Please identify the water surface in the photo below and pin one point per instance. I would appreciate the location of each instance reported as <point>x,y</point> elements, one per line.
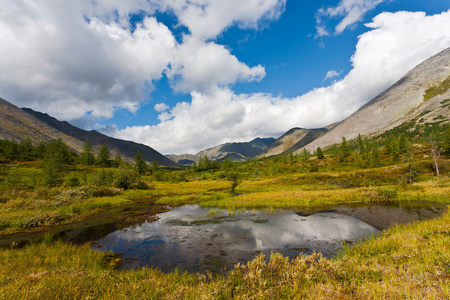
<point>198,239</point>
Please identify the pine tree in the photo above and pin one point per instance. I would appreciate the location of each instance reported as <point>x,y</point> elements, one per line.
<point>87,156</point>
<point>118,160</point>
<point>375,158</point>
<point>360,143</point>
<point>155,166</point>
<point>56,154</point>
<point>344,150</point>
<point>140,164</point>
<point>104,155</point>
<point>319,153</point>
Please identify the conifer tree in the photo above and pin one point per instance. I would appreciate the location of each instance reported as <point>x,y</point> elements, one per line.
<point>56,154</point>
<point>87,156</point>
<point>319,153</point>
<point>118,160</point>
<point>344,150</point>
<point>103,158</point>
<point>140,164</point>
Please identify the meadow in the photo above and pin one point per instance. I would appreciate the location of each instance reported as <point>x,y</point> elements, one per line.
<point>409,261</point>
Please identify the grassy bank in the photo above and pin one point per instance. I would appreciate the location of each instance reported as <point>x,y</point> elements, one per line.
<point>405,262</point>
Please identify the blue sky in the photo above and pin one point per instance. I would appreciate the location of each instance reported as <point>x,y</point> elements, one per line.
<point>181,76</point>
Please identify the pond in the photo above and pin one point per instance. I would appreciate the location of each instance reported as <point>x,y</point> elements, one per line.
<point>210,239</point>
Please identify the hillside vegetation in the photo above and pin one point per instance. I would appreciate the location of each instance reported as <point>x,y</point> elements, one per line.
<point>47,189</point>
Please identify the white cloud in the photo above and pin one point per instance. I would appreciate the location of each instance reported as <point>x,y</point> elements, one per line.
<point>160,107</point>
<point>208,18</point>
<point>348,12</point>
<point>396,43</point>
<point>331,74</point>
<point>201,66</point>
<point>62,64</point>
<point>70,58</point>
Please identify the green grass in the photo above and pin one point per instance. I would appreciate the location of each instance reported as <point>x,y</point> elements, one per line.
<point>437,89</point>
<point>405,262</point>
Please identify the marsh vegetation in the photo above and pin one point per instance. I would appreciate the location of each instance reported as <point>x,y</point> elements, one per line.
<point>47,191</point>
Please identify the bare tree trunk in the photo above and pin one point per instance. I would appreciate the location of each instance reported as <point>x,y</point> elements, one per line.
<point>435,161</point>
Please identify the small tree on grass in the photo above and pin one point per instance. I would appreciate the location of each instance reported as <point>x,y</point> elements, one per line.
<point>140,164</point>
<point>87,156</point>
<point>319,153</point>
<point>344,150</point>
<point>104,156</point>
<point>56,154</point>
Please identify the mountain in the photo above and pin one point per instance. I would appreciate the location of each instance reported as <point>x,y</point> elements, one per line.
<point>294,139</point>
<point>422,95</point>
<point>17,124</point>
<point>20,124</point>
<point>233,151</point>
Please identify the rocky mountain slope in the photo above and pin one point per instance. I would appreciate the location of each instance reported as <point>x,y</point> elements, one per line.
<point>294,139</point>
<point>422,95</point>
<point>233,151</point>
<point>20,124</point>
<point>17,124</point>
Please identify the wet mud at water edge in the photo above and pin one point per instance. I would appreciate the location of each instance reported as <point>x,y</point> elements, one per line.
<point>208,239</point>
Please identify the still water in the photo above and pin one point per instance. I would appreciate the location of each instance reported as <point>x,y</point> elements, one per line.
<point>198,239</point>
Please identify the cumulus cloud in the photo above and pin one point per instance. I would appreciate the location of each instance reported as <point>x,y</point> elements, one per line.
<point>66,65</point>
<point>208,18</point>
<point>72,58</point>
<point>201,66</point>
<point>160,107</point>
<point>348,12</point>
<point>396,43</point>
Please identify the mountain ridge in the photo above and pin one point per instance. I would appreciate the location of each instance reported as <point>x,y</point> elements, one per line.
<point>237,151</point>
<point>21,124</point>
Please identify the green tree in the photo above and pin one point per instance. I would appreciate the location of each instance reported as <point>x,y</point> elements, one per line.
<point>11,150</point>
<point>404,145</point>
<point>360,141</point>
<point>140,164</point>
<point>394,149</point>
<point>87,156</point>
<point>118,160</point>
<point>56,154</point>
<point>446,141</point>
<point>12,181</point>
<point>155,166</point>
<point>26,150</point>
<point>375,157</point>
<point>104,156</point>
<point>319,153</point>
<point>344,150</point>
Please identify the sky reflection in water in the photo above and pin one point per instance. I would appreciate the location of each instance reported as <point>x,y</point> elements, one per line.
<point>196,238</point>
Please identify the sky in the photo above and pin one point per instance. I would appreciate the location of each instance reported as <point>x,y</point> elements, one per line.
<point>181,76</point>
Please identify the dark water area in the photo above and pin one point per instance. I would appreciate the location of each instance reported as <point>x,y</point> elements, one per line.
<point>209,239</point>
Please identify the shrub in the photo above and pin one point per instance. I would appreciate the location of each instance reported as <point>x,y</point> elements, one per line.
<point>125,178</point>
<point>104,192</point>
<point>73,181</point>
